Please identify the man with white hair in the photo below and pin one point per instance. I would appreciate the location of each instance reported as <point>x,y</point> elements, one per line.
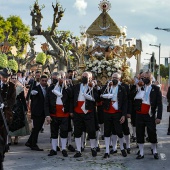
<point>57,104</point>
<point>148,101</point>
<point>115,109</point>
<point>84,96</point>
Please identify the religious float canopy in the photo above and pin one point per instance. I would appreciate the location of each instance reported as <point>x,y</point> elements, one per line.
<point>107,46</point>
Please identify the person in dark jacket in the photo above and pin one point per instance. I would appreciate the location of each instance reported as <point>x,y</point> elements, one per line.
<point>57,105</point>
<point>2,143</point>
<point>168,99</point>
<point>147,102</point>
<point>115,109</point>
<point>7,98</point>
<point>84,96</point>
<point>38,94</point>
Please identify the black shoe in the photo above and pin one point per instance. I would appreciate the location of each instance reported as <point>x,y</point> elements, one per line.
<point>156,156</point>
<point>82,149</point>
<point>78,155</point>
<point>42,130</point>
<point>36,148</point>
<point>138,153</point>
<point>110,146</point>
<point>168,133</point>
<point>106,155</point>
<point>124,154</point>
<point>98,148</point>
<point>58,148</point>
<point>94,152</point>
<point>9,144</point>
<point>64,152</point>
<point>71,148</point>
<point>152,151</point>
<point>113,152</point>
<point>52,153</point>
<point>28,144</point>
<point>124,145</point>
<point>128,150</point>
<point>140,157</point>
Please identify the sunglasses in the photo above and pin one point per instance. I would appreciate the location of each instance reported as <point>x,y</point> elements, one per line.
<point>14,78</point>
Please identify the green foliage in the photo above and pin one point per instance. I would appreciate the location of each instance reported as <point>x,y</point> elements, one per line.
<point>18,32</point>
<point>13,65</point>
<point>3,61</point>
<point>41,58</point>
<point>164,71</point>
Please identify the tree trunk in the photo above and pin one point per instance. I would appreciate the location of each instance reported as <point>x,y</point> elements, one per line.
<point>62,65</point>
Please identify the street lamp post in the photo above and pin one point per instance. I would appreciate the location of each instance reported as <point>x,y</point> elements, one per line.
<point>164,29</point>
<point>150,62</point>
<point>159,46</point>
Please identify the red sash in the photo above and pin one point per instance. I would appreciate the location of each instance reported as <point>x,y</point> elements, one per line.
<point>144,109</point>
<point>111,109</point>
<point>78,109</point>
<point>99,103</point>
<point>59,112</point>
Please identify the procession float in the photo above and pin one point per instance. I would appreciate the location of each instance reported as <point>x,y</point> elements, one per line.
<point>107,48</point>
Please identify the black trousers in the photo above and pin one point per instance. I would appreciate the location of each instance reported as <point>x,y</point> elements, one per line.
<point>37,123</point>
<point>2,149</point>
<point>96,119</point>
<point>69,124</point>
<point>59,123</point>
<point>112,121</point>
<point>3,141</point>
<point>142,121</point>
<point>84,122</point>
<point>100,114</point>
<point>125,128</point>
<point>133,118</point>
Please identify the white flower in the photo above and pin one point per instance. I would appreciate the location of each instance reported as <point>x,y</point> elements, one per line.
<point>116,65</point>
<point>102,66</point>
<point>99,71</point>
<point>108,68</point>
<point>94,69</point>
<point>113,69</point>
<point>90,65</point>
<point>87,62</point>
<point>109,74</point>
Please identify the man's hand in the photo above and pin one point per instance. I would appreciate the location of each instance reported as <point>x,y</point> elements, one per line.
<point>158,121</point>
<point>122,119</point>
<point>48,119</point>
<point>128,115</point>
<point>71,114</point>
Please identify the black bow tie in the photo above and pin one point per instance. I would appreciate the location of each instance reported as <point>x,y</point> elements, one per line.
<point>142,89</point>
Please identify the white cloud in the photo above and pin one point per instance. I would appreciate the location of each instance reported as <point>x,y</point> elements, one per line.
<point>133,10</point>
<point>148,38</point>
<point>81,6</point>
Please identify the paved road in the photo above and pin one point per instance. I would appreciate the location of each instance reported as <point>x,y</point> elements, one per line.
<point>22,158</point>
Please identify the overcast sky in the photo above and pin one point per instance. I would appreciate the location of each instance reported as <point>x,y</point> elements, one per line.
<point>140,17</point>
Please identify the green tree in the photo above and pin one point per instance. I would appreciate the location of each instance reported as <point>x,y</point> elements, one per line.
<point>15,31</point>
<point>164,71</point>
